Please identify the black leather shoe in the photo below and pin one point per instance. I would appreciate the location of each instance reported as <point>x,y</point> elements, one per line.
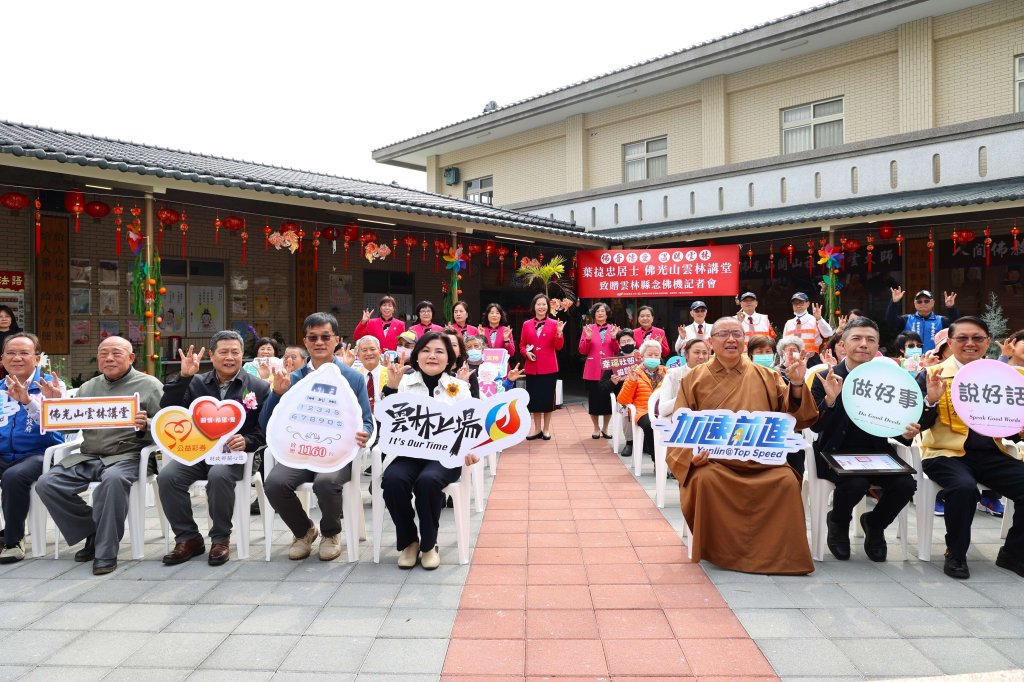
<point>1010,562</point>
<point>838,538</point>
<point>103,566</point>
<point>956,568</point>
<point>254,508</point>
<point>874,539</point>
<point>535,436</point>
<point>87,553</point>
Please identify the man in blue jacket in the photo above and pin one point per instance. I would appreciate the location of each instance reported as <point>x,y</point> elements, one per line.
<point>320,335</point>
<point>21,444</point>
<point>923,321</point>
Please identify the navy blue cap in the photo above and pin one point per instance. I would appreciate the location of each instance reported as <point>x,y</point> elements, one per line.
<point>698,304</point>
<point>749,294</point>
<point>800,296</point>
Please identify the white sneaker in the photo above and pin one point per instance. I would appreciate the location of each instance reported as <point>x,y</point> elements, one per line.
<point>10,555</point>
<point>330,548</point>
<point>301,547</point>
<point>407,559</point>
<point>431,559</point>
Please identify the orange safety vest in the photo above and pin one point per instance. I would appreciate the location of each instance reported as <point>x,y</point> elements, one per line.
<point>807,332</point>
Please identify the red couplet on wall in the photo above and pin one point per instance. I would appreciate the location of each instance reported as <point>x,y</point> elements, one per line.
<point>681,271</point>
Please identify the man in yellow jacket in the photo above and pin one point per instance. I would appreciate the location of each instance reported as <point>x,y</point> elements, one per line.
<point>958,459</point>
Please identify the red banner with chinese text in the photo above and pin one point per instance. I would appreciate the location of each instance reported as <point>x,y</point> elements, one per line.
<point>693,271</point>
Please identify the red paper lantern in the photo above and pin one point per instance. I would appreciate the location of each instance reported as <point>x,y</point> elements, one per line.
<point>474,249</point>
<point>885,230</point>
<point>852,245</point>
<point>97,209</point>
<point>408,241</point>
<point>368,236</point>
<point>168,216</point>
<point>289,226</point>
<point>74,202</point>
<point>502,251</point>
<point>350,234</point>
<point>489,247</point>
<point>14,202</point>
<point>440,246</point>
<point>965,237</point>
<point>233,223</point>
<point>330,234</point>
<point>899,244</point>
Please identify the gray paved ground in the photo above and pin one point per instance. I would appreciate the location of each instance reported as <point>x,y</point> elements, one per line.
<point>860,620</point>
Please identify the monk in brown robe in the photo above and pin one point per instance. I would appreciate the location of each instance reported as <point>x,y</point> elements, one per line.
<point>744,515</point>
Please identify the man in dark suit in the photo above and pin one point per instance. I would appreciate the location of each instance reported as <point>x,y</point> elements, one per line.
<point>226,381</point>
<point>837,433</point>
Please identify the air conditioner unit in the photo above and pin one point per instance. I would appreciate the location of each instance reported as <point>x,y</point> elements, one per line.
<point>451,176</point>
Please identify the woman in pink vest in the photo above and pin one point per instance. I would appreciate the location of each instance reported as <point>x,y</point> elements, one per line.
<point>647,330</point>
<point>426,313</point>
<point>540,339</point>
<point>597,343</point>
<point>460,315</point>
<point>495,329</point>
<point>386,328</point>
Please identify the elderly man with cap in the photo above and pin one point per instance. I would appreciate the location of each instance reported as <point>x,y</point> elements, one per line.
<point>808,326</point>
<point>923,321</point>
<point>754,323</point>
<point>698,329</point>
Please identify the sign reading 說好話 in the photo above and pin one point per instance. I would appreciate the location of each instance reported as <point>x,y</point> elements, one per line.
<point>680,271</point>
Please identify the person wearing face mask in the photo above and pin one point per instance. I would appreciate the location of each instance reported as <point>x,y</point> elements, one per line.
<point>908,351</point>
<point>958,458</point>
<point>647,330</point>
<point>385,328</point>
<point>698,329</point>
<point>612,384</point>
<point>598,342</point>
<point>496,331</point>
<point>475,357</point>
<point>923,321</point>
<point>638,387</point>
<point>761,351</point>
<point>809,326</point>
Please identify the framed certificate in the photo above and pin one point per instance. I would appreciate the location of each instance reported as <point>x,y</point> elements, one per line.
<point>848,464</point>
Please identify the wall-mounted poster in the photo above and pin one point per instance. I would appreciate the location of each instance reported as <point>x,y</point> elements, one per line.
<point>239,281</point>
<point>108,302</point>
<point>81,270</point>
<point>15,300</point>
<point>81,332</point>
<point>205,309</point>
<point>174,313</point>
<point>134,333</point>
<point>341,293</point>
<point>109,328</point>
<point>81,301</point>
<point>239,304</point>
<point>108,272</point>
<point>261,306</point>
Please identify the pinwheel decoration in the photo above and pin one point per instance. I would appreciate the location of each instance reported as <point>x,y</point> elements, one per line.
<point>456,263</point>
<point>831,258</point>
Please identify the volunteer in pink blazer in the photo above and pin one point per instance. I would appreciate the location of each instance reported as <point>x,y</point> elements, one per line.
<point>460,318</point>
<point>540,340</point>
<point>495,329</point>
<point>598,342</point>
<point>647,330</point>
<point>386,328</point>
<point>426,313</point>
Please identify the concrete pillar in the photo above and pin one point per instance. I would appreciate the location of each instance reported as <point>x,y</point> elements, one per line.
<point>712,110</point>
<point>916,75</point>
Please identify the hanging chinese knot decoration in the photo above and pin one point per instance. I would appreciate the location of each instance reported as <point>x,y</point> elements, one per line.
<point>810,257</point>
<point>440,246</point>
<point>316,250</point>
<point>135,237</point>
<point>489,247</point>
<point>474,250</point>
<point>750,258</point>
<point>931,249</point>
<point>988,245</point>
<point>899,245</point>
<point>39,226</point>
<point>118,212</point>
<point>349,234</point>
<point>502,251</point>
<point>771,262</point>
<point>842,242</point>
<point>789,250</point>
<point>166,217</point>
<point>423,257</point>
<point>871,249</point>
<point>184,235</point>
<point>956,239</point>
<point>245,242</point>
<point>74,202</point>
<point>216,230</point>
<point>409,242</point>
<point>1013,232</point>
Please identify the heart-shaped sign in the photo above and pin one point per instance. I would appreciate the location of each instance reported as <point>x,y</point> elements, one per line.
<point>190,435</point>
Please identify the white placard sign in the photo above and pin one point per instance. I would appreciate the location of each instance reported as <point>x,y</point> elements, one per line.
<point>414,425</point>
<point>8,407</point>
<point>763,437</point>
<point>881,398</point>
<point>315,423</point>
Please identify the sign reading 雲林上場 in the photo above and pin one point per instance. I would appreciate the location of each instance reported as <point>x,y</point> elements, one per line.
<point>680,271</point>
<point>763,437</point>
<point>989,396</point>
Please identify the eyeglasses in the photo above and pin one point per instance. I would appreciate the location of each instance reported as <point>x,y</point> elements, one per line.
<point>912,345</point>
<point>735,334</point>
<point>965,339</point>
<point>923,300</point>
<point>325,338</point>
<point>20,354</point>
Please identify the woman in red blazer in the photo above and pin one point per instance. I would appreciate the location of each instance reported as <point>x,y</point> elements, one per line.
<point>540,339</point>
<point>460,317</point>
<point>426,314</point>
<point>386,328</point>
<point>647,330</point>
<point>598,342</point>
<point>495,329</point>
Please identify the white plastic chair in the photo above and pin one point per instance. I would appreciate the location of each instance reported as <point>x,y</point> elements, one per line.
<point>457,491</point>
<point>136,498</point>
<point>656,408</point>
<point>240,520</point>
<point>924,502</point>
<point>35,524</point>
<point>618,425</point>
<point>820,489</point>
<point>352,501</point>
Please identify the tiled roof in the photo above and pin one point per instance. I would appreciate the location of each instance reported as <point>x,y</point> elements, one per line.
<point>620,70</point>
<point>130,157</point>
<point>958,195</point>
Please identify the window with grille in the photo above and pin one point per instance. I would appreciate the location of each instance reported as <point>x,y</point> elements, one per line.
<point>645,159</point>
<point>812,126</point>
<point>480,190</point>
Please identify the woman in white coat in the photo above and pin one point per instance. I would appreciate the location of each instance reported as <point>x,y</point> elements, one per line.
<point>433,362</point>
